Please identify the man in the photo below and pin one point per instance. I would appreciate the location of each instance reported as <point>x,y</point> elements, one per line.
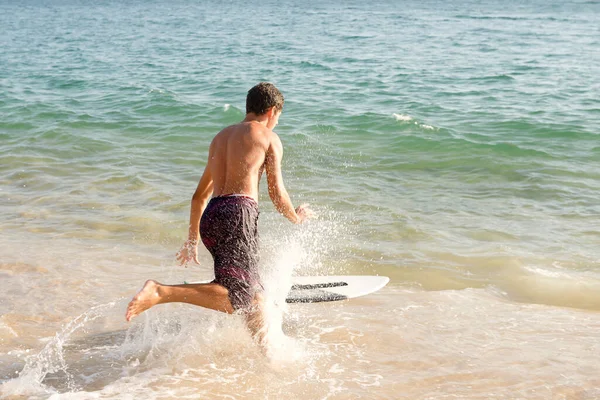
<point>238,156</point>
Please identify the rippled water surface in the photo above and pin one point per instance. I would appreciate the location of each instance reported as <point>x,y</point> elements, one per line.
<point>452,146</point>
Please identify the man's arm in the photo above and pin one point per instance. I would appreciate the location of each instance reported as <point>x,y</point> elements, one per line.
<point>189,250</point>
<point>277,191</point>
<point>199,201</point>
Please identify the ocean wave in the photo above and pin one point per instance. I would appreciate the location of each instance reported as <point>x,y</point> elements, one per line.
<point>488,17</point>
<point>316,65</point>
<point>357,37</point>
<point>401,117</point>
<point>408,119</point>
<point>557,286</point>
<point>499,77</point>
<point>230,109</point>
<point>510,18</point>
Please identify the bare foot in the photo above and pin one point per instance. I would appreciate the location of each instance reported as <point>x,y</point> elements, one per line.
<point>147,297</point>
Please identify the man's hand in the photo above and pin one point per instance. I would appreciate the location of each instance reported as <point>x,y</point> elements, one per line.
<point>303,213</point>
<point>188,252</point>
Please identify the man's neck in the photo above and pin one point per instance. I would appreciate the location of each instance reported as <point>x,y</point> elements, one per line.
<point>261,119</point>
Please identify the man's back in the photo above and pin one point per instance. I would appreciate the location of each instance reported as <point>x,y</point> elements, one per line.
<point>237,157</point>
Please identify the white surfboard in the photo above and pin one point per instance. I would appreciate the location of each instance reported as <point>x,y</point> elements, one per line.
<point>316,289</point>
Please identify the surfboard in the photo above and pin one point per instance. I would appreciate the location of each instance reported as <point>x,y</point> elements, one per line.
<point>317,289</point>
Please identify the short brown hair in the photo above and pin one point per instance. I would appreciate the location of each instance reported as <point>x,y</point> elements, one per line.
<point>262,97</point>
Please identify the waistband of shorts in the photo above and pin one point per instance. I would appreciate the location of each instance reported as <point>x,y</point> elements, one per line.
<point>235,196</point>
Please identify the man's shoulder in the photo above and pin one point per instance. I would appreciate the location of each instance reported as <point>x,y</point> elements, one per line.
<point>264,132</point>
<point>227,131</point>
<point>229,128</point>
<point>258,132</point>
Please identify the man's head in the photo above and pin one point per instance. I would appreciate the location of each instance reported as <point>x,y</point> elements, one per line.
<point>262,97</point>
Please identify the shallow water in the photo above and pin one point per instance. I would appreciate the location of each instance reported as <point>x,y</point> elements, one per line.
<point>453,147</point>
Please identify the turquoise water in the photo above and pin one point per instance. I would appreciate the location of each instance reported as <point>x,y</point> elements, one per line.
<point>451,146</point>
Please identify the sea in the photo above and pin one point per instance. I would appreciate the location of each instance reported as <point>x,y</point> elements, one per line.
<point>453,146</point>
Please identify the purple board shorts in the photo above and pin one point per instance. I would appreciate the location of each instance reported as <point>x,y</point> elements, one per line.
<point>229,230</point>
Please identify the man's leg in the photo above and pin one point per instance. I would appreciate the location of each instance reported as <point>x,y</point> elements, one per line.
<point>255,321</point>
<point>208,295</point>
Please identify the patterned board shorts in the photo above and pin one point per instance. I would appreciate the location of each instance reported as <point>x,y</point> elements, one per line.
<point>229,230</point>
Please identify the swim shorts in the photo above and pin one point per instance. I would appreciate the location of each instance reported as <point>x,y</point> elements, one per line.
<point>229,230</point>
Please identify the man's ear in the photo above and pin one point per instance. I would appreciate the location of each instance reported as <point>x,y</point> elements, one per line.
<point>271,112</point>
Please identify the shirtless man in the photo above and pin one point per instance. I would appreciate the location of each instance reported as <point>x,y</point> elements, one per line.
<point>227,224</point>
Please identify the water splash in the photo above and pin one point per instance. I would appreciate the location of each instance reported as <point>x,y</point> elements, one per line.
<point>51,359</point>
